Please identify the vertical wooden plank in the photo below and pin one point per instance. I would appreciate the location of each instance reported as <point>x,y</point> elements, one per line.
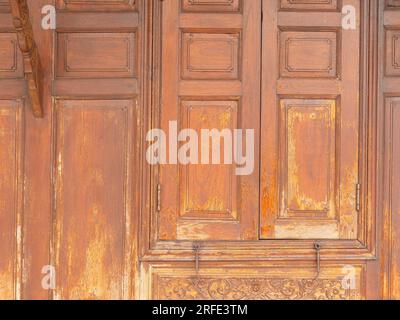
<point>392,200</point>
<point>170,77</point>
<point>37,186</point>
<point>91,200</point>
<point>10,198</point>
<point>350,125</point>
<point>269,114</point>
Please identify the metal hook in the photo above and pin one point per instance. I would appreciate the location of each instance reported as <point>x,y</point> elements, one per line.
<point>317,247</point>
<point>196,249</point>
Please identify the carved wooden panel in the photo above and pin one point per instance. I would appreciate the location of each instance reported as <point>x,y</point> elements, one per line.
<point>96,5</point>
<point>392,196</point>
<point>10,197</point>
<point>211,5</point>
<point>309,4</point>
<point>210,55</point>
<point>96,55</point>
<point>308,54</point>
<point>308,165</point>
<point>393,52</point>
<point>92,196</point>
<point>32,63</point>
<point>220,48</point>
<point>255,283</point>
<point>11,65</point>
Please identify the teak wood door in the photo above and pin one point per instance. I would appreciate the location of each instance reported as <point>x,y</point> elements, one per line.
<point>310,122</point>
<point>78,196</point>
<point>309,75</point>
<point>211,64</point>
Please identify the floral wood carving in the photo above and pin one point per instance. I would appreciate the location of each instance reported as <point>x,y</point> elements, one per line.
<point>252,289</point>
<point>26,42</point>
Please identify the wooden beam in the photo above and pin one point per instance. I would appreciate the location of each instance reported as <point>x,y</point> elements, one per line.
<point>26,42</point>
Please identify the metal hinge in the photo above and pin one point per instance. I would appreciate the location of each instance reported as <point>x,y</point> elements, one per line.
<point>358,197</point>
<point>159,197</point>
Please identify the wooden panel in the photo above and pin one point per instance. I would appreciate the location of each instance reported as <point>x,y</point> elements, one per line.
<point>101,55</point>
<point>393,52</point>
<point>277,282</point>
<point>95,87</point>
<point>210,56</point>
<point>96,5</point>
<point>309,4</point>
<point>208,208</point>
<point>393,3</point>
<point>392,200</point>
<point>315,195</point>
<point>211,5</point>
<point>308,54</point>
<point>308,132</point>
<point>225,51</point>
<point>4,6</point>
<point>92,215</point>
<point>97,21</point>
<point>308,167</point>
<point>10,196</point>
<point>218,200</point>
<point>10,57</point>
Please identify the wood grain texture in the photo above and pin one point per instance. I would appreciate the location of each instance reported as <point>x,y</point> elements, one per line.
<point>390,103</point>
<point>11,140</point>
<point>89,204</point>
<point>97,55</point>
<point>96,5</point>
<point>211,6</point>
<point>313,5</point>
<point>295,54</point>
<point>392,205</point>
<point>224,50</point>
<point>11,64</point>
<point>393,52</point>
<point>93,151</point>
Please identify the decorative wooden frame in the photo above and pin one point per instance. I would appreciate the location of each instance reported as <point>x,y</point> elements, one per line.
<point>27,44</point>
<point>364,248</point>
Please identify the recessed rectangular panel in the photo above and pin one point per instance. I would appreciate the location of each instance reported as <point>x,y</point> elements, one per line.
<point>96,5</point>
<point>309,4</point>
<point>92,152</point>
<point>96,55</point>
<point>308,169</point>
<point>308,54</point>
<point>10,56</point>
<point>393,52</point>
<point>211,5</point>
<point>10,135</point>
<point>310,157</point>
<point>208,191</point>
<point>210,56</point>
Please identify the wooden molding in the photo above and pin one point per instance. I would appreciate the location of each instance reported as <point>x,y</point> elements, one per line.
<point>26,42</point>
